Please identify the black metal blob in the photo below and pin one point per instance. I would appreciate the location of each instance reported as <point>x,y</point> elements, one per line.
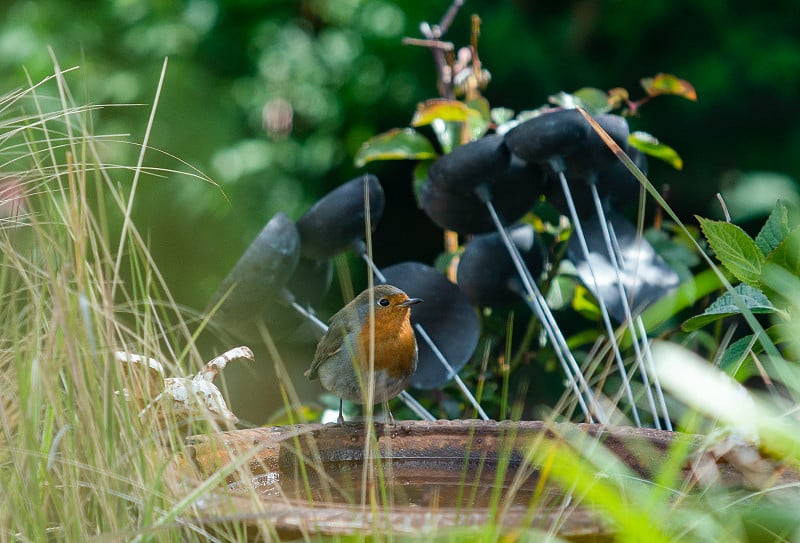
<point>558,133</point>
<point>644,274</point>
<point>513,190</point>
<point>595,156</point>
<point>616,186</point>
<point>446,316</point>
<point>311,281</point>
<point>565,134</point>
<point>307,286</point>
<point>486,272</point>
<point>470,165</point>
<point>258,277</point>
<point>337,220</point>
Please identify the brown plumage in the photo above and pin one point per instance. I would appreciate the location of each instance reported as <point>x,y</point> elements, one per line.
<point>341,361</point>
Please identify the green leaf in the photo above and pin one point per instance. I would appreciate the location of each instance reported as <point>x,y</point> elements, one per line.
<point>437,108</point>
<point>478,118</point>
<point>501,115</point>
<point>617,97</point>
<point>448,134</point>
<point>650,145</point>
<point>396,144</point>
<point>734,363</point>
<point>786,256</point>
<point>669,84</point>
<point>735,250</point>
<point>787,253</point>
<point>775,229</point>
<point>585,303</point>
<point>754,300</point>
<point>594,101</point>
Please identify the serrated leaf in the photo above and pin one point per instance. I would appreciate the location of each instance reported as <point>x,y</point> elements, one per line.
<point>650,145</point>
<point>437,108</point>
<point>396,144</point>
<point>754,300</point>
<point>775,229</point>
<point>735,250</point>
<point>668,84</point>
<point>786,256</point>
<point>787,253</point>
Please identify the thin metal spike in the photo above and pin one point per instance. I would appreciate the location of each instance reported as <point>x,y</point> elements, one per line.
<point>542,310</point>
<point>603,309</point>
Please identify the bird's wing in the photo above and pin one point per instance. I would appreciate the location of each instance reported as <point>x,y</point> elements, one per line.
<point>330,344</point>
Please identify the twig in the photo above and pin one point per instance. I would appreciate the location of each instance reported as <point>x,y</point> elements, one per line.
<point>432,44</point>
<point>442,51</point>
<point>449,16</point>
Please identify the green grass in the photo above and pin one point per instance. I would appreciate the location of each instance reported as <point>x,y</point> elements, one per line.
<point>76,284</point>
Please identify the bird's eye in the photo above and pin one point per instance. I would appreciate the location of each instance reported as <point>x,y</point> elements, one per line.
<point>384,302</point>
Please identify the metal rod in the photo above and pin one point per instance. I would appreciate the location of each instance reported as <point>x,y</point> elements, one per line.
<point>650,367</point>
<point>617,263</point>
<point>542,311</point>
<point>452,374</point>
<point>603,309</point>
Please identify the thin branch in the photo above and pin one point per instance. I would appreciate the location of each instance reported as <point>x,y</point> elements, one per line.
<point>432,44</point>
<point>449,16</point>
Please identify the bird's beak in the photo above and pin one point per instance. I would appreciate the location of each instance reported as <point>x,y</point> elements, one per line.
<point>410,301</point>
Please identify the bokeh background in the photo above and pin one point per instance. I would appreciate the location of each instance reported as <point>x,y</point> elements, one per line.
<point>272,99</point>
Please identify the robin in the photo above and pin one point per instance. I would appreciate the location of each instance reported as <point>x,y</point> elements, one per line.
<point>342,358</point>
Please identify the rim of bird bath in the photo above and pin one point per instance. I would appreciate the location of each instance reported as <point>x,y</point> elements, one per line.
<point>272,454</point>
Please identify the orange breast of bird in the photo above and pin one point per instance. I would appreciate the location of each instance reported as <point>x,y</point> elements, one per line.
<point>395,345</point>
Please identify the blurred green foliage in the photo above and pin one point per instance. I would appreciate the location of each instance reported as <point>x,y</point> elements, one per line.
<point>272,99</point>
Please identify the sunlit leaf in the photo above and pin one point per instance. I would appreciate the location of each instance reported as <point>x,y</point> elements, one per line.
<point>478,118</point>
<point>668,84</point>
<point>584,303</point>
<point>735,250</point>
<point>446,110</point>
<point>754,301</point>
<point>594,101</point>
<point>501,115</point>
<point>697,383</point>
<point>396,144</point>
<point>617,97</point>
<point>448,134</point>
<point>650,145</point>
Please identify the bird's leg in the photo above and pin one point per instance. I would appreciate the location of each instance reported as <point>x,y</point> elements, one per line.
<point>340,420</point>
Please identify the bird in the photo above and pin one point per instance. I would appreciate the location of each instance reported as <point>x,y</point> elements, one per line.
<point>341,360</point>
